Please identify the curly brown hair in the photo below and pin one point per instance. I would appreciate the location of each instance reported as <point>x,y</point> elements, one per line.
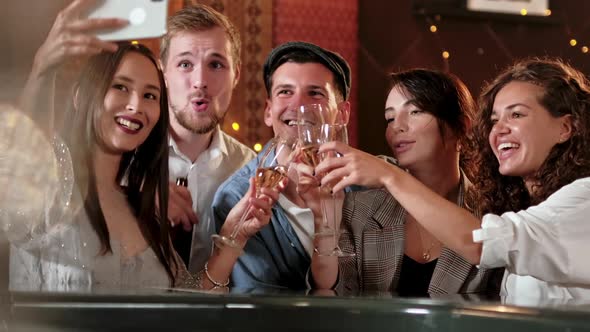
<point>566,92</point>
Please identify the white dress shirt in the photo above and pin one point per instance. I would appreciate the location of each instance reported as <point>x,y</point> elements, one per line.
<point>224,156</point>
<point>544,248</point>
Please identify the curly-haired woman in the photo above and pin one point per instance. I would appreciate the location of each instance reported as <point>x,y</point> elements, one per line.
<point>532,186</point>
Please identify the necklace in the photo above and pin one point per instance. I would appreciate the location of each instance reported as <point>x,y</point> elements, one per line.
<point>425,253</point>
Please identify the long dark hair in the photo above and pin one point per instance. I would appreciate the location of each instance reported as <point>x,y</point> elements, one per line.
<point>566,92</point>
<point>145,170</point>
<point>447,98</point>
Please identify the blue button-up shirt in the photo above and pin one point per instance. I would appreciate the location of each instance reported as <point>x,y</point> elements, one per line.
<point>274,257</point>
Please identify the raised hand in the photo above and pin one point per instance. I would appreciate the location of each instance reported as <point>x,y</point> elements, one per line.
<point>180,207</point>
<point>71,36</point>
<point>308,189</point>
<point>354,167</point>
<point>258,211</point>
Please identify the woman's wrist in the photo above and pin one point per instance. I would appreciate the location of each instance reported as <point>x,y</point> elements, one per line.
<point>226,253</point>
<point>239,240</point>
<point>388,179</point>
<point>38,69</point>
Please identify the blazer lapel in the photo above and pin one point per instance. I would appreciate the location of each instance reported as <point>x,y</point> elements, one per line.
<point>382,243</point>
<point>389,212</point>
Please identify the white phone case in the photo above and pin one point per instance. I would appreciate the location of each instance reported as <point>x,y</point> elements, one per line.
<point>147,18</point>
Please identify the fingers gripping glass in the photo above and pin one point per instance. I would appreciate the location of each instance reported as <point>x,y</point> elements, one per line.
<point>272,169</point>
<point>309,123</point>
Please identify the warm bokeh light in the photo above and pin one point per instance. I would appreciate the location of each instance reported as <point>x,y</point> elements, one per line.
<point>584,49</point>
<point>235,126</point>
<point>547,12</point>
<point>433,28</point>
<point>573,42</point>
<point>257,147</point>
<point>134,42</point>
<point>446,54</point>
<point>523,12</point>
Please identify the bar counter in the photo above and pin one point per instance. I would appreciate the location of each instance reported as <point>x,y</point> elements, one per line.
<point>161,310</point>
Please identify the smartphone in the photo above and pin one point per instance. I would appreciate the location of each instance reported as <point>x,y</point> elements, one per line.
<point>147,18</point>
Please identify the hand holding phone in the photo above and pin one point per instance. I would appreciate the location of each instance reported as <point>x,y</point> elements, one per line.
<point>147,18</point>
<point>71,37</point>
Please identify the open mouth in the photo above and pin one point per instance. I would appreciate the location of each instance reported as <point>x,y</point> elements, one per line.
<point>129,124</point>
<point>507,147</point>
<point>401,145</point>
<point>200,105</point>
<point>293,123</point>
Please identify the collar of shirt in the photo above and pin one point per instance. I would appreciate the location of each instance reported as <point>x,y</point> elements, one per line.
<point>216,149</point>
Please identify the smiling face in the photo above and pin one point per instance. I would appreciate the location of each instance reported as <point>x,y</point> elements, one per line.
<point>413,134</point>
<point>523,131</point>
<point>293,85</point>
<point>201,76</point>
<point>131,106</point>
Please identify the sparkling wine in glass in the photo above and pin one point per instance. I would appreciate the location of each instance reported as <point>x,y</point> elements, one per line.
<point>272,168</point>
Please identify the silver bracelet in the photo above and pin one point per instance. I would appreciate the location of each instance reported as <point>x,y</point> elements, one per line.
<point>215,283</point>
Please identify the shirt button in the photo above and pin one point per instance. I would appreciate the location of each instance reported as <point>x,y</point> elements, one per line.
<point>292,244</point>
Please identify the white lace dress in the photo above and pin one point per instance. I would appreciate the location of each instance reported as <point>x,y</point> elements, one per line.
<point>52,244</point>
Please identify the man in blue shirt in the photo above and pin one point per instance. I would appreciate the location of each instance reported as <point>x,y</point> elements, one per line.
<point>295,73</point>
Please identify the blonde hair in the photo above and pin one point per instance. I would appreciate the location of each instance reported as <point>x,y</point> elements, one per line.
<point>201,17</point>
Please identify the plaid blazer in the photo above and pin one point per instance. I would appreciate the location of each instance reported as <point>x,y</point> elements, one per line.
<point>373,228</point>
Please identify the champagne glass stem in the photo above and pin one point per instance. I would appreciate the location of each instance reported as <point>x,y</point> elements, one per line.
<point>240,223</point>
<point>325,221</point>
<point>334,221</point>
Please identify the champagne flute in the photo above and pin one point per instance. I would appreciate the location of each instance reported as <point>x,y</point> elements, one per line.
<point>310,119</point>
<point>330,133</point>
<point>272,168</point>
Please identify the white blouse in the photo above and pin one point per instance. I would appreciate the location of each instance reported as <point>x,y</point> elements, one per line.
<point>544,248</point>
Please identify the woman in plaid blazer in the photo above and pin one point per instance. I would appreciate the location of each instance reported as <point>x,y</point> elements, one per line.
<point>428,116</point>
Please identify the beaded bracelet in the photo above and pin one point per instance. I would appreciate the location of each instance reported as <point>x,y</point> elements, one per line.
<point>217,284</point>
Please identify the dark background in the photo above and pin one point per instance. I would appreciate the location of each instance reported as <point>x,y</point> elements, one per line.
<point>392,37</point>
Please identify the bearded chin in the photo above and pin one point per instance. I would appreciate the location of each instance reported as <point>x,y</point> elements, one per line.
<point>202,126</point>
